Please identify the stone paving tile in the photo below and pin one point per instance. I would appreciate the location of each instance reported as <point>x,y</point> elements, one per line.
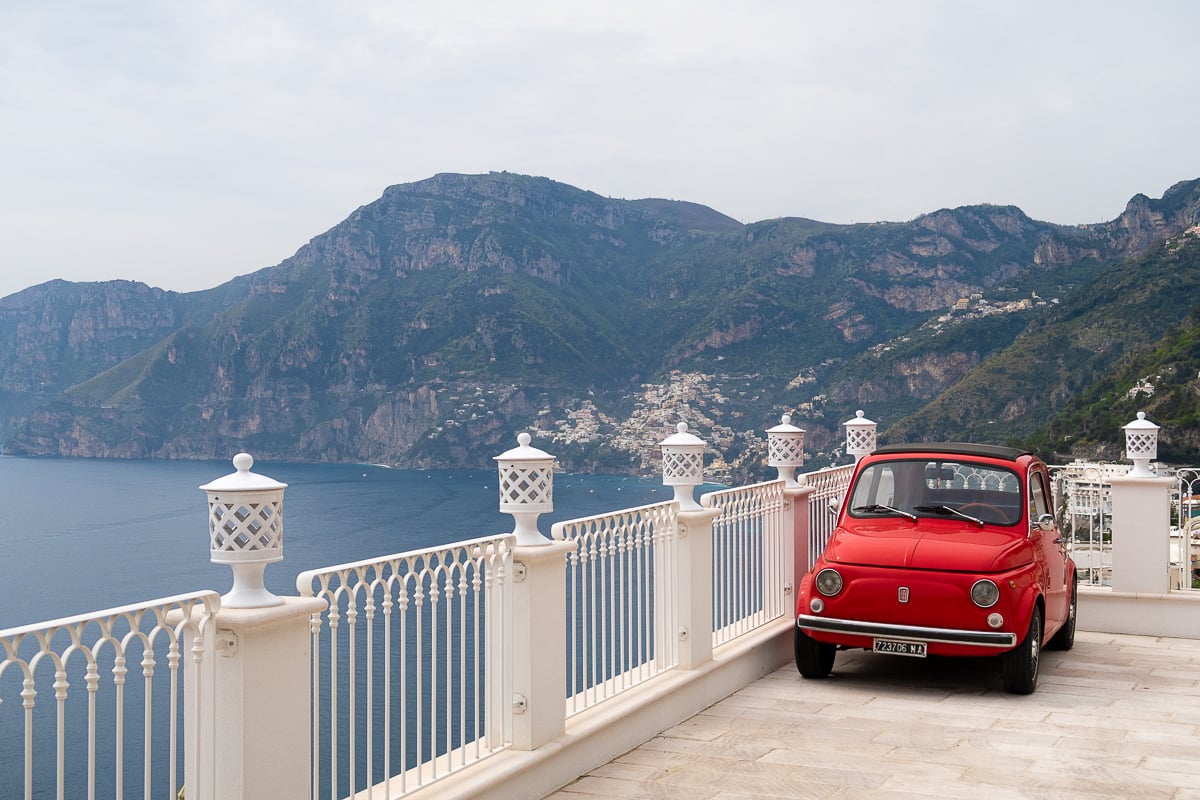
<point>1115,725</point>
<point>1175,676</point>
<point>1181,771</point>
<point>625,771</point>
<point>764,710</point>
<point>1117,717</point>
<point>591,786</point>
<point>1046,781</point>
<point>720,748</point>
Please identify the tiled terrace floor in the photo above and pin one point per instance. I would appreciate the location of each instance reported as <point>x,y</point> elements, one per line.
<point>1116,717</point>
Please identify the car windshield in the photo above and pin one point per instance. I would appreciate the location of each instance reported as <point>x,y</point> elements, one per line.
<point>912,488</point>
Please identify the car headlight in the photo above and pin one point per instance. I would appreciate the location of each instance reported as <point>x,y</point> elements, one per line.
<point>985,594</point>
<point>828,582</point>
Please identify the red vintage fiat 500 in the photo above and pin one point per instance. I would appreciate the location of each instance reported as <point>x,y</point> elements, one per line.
<point>942,549</point>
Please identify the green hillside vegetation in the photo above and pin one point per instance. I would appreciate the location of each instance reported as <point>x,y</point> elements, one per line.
<point>1107,327</point>
<point>1163,381</point>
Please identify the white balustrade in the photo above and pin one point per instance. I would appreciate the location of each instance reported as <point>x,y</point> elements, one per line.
<point>1185,537</point>
<point>411,677</point>
<point>621,595</point>
<point>417,668</point>
<point>829,485</point>
<point>136,725</point>
<point>1083,498</point>
<point>752,561</point>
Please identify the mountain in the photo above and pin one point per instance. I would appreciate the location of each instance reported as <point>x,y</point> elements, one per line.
<point>434,323</point>
<point>1072,350</point>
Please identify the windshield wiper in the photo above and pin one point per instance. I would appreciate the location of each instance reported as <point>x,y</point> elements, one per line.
<point>949,510</point>
<point>879,508</point>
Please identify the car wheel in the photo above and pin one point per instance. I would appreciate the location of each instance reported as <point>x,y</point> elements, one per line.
<point>1021,663</point>
<point>1064,639</point>
<point>813,659</point>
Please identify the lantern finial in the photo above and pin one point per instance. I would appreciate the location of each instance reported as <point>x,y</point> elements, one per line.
<point>785,449</point>
<point>526,488</point>
<point>1141,445</point>
<point>860,436</point>
<point>683,465</point>
<point>245,527</point>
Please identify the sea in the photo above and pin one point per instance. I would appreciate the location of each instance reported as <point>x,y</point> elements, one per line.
<point>81,535</point>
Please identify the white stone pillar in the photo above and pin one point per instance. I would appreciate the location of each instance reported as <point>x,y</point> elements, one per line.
<point>1141,534</point>
<point>539,643</point>
<point>252,694</point>
<point>796,521</point>
<point>261,722</point>
<point>539,598</point>
<point>1141,517</point>
<point>694,548</point>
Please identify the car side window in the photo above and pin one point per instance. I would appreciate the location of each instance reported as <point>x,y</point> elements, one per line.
<point>1038,503</point>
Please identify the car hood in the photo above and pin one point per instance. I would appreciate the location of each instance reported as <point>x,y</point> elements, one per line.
<point>930,544</point>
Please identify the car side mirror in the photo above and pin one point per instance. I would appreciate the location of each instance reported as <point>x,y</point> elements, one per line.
<point>1046,522</point>
<point>835,505</point>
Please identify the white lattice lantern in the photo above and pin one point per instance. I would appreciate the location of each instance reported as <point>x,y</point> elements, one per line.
<point>1141,445</point>
<point>526,489</point>
<point>785,449</point>
<point>860,436</point>
<point>683,465</point>
<point>245,527</point>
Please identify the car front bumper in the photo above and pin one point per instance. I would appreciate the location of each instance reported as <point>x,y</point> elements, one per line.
<point>853,627</point>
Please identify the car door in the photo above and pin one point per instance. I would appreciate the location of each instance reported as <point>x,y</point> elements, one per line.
<point>1047,537</point>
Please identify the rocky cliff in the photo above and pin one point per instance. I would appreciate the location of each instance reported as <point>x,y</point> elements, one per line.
<point>432,324</point>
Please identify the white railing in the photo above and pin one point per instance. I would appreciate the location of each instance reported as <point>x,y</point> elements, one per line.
<point>828,484</point>
<point>752,558</point>
<point>621,600</point>
<point>95,742</point>
<point>1185,537</point>
<point>416,681</point>
<point>1083,502</point>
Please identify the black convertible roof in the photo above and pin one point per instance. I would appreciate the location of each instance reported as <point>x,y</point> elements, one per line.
<point>957,448</point>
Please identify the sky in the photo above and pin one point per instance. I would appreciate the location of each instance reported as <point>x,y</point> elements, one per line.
<point>184,143</point>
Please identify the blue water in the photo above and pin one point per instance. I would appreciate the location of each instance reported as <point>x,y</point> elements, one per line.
<point>80,535</point>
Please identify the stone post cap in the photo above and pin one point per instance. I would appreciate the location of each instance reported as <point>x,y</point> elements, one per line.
<point>524,452</point>
<point>859,421</point>
<point>243,480</point>
<point>1141,424</point>
<point>681,438</point>
<point>785,426</point>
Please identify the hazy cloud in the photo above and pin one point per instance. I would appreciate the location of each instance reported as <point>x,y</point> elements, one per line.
<point>183,143</point>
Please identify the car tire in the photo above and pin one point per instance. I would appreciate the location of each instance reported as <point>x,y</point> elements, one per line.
<point>1021,663</point>
<point>1064,638</point>
<point>813,659</point>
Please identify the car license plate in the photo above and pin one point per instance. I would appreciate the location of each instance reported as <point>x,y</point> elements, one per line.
<point>900,647</point>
